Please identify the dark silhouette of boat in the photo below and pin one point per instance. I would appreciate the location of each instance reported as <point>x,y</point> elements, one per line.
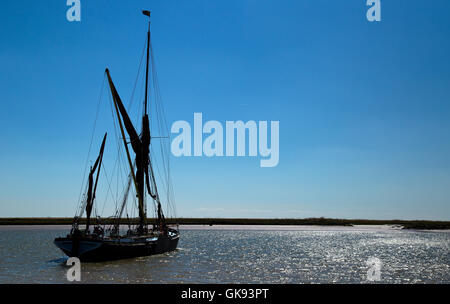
<point>94,248</point>
<point>145,238</point>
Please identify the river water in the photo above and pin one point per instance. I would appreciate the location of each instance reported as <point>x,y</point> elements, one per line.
<point>244,254</point>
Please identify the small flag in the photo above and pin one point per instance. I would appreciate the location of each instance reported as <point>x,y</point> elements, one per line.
<point>146,13</point>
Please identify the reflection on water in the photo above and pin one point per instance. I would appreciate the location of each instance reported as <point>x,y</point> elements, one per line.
<point>242,254</point>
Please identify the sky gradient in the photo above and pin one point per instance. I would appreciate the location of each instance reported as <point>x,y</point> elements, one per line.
<point>364,108</point>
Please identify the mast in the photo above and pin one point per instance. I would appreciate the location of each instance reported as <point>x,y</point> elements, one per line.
<point>147,13</point>
<point>146,137</point>
<point>145,134</point>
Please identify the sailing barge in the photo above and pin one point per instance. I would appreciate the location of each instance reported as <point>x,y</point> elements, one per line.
<point>145,238</point>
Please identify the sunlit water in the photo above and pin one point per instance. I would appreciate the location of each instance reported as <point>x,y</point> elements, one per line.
<point>242,254</point>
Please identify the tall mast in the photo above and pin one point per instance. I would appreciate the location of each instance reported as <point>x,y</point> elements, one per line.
<point>147,13</point>
<point>146,132</point>
<point>146,136</point>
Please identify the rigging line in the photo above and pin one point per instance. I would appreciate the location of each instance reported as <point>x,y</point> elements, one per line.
<point>162,183</point>
<point>168,183</point>
<point>92,136</point>
<point>160,114</point>
<point>117,182</point>
<point>166,171</point>
<point>124,166</point>
<point>109,182</point>
<point>125,194</point>
<point>157,91</point>
<point>161,177</point>
<point>119,146</point>
<point>120,159</point>
<point>134,206</point>
<point>157,170</point>
<point>116,165</point>
<point>117,161</point>
<point>82,205</point>
<point>137,76</point>
<point>162,124</point>
<point>119,173</point>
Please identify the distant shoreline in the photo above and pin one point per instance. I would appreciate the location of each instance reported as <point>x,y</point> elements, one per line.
<point>406,224</point>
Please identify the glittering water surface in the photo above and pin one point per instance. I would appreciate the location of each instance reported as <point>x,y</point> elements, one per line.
<point>242,254</point>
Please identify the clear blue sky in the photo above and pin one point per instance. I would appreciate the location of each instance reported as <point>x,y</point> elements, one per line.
<point>364,108</point>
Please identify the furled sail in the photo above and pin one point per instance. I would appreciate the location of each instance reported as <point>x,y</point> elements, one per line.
<point>134,138</point>
<point>93,187</point>
<point>145,139</point>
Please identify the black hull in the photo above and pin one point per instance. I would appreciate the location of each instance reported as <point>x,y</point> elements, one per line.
<point>97,250</point>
